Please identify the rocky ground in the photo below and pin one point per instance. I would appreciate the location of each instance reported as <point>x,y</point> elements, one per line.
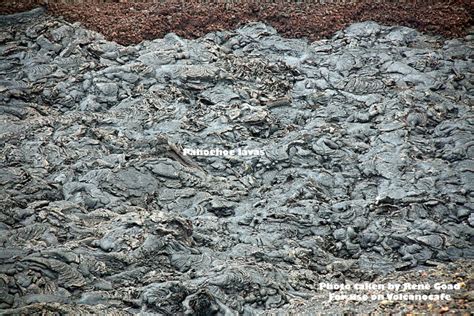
<point>130,22</point>
<point>367,173</point>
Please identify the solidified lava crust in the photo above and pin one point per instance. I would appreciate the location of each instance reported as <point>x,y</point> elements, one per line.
<point>362,169</point>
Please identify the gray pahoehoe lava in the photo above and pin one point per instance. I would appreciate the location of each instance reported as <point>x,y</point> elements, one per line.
<point>367,169</point>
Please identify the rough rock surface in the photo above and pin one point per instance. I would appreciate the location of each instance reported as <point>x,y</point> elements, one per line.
<point>462,302</point>
<point>368,170</point>
<point>131,21</point>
